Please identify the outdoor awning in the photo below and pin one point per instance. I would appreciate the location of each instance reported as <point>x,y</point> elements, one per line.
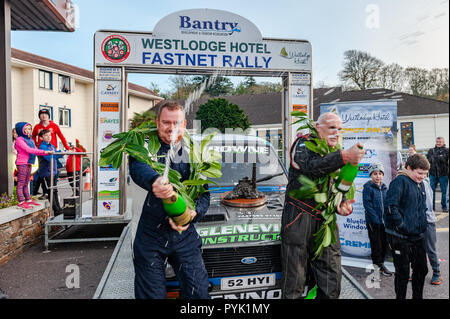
<point>42,15</point>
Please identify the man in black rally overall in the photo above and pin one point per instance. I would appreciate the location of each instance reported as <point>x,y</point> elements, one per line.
<point>158,239</point>
<point>300,221</point>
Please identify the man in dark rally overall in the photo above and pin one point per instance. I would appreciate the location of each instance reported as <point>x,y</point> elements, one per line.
<point>158,239</point>
<point>300,221</point>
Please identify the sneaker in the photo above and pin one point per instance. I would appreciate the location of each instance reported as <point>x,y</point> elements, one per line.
<point>436,279</point>
<point>24,205</point>
<point>445,210</point>
<point>384,271</point>
<point>32,202</point>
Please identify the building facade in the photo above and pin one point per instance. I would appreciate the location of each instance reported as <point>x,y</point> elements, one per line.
<point>67,92</point>
<point>420,120</point>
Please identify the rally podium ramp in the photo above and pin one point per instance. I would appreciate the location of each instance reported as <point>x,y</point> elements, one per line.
<point>117,281</point>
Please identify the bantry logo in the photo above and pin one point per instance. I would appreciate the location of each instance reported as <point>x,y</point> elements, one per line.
<point>188,25</point>
<point>115,48</point>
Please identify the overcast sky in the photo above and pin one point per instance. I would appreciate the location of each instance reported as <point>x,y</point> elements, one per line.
<point>408,32</point>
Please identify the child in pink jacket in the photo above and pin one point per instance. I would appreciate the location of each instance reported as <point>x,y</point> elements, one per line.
<point>26,156</point>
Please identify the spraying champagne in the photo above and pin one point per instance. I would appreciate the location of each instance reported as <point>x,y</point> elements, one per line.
<point>347,175</point>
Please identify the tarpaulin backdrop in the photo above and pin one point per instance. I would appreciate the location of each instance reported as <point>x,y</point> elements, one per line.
<point>374,124</point>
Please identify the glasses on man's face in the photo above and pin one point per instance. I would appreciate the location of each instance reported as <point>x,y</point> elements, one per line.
<point>335,129</point>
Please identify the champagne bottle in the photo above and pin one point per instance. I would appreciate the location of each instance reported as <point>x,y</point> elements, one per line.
<point>176,208</point>
<point>346,176</point>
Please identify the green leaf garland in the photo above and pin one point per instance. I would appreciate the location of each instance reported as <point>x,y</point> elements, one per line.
<point>319,188</point>
<point>204,161</point>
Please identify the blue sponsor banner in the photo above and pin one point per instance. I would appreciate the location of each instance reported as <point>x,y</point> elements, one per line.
<point>374,124</point>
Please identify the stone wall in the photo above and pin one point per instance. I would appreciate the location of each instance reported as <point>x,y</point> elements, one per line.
<point>17,234</point>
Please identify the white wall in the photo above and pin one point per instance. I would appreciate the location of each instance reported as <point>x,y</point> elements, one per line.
<point>138,104</point>
<point>27,96</point>
<point>426,129</point>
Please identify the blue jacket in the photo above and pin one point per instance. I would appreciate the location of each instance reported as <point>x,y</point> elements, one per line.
<point>154,221</point>
<point>374,198</point>
<point>44,161</point>
<point>405,208</point>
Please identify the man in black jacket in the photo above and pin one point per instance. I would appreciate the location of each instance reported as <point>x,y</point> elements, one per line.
<point>438,158</point>
<point>300,221</point>
<point>158,239</point>
<point>406,222</point>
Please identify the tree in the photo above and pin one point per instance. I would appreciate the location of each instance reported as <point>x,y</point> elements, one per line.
<point>360,68</point>
<point>391,77</point>
<point>219,113</point>
<point>249,86</point>
<point>249,81</point>
<point>154,87</point>
<point>220,86</point>
<point>439,80</point>
<point>182,86</point>
<point>140,118</point>
<point>417,79</point>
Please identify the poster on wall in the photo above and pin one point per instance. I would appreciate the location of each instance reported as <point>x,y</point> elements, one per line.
<point>109,99</point>
<point>374,124</point>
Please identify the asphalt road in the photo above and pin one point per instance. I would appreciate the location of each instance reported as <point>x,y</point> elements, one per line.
<point>68,271</point>
<point>74,270</point>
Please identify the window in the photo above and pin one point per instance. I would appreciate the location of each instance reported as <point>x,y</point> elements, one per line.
<point>45,80</point>
<point>64,84</point>
<point>407,133</point>
<point>50,108</point>
<point>65,117</point>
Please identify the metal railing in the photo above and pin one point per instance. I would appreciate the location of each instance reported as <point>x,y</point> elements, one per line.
<point>85,156</point>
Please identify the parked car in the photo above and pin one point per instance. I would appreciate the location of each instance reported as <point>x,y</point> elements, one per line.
<point>241,245</point>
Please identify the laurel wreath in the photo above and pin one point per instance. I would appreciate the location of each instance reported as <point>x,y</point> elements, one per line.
<point>328,198</point>
<point>204,162</point>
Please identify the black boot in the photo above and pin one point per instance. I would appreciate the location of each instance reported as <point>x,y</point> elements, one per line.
<point>384,271</point>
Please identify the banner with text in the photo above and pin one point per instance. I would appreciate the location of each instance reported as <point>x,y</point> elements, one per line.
<point>108,110</point>
<point>202,38</point>
<point>374,124</point>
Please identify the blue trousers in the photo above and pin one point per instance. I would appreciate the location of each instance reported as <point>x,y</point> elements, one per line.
<point>183,252</point>
<point>443,181</point>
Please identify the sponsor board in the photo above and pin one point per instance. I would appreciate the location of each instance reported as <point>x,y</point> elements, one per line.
<point>109,107</point>
<point>115,48</point>
<point>107,207</point>
<point>373,123</point>
<point>109,110</point>
<point>202,38</point>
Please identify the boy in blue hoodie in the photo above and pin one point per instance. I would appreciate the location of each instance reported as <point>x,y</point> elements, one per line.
<point>406,222</point>
<point>374,197</point>
<point>44,169</point>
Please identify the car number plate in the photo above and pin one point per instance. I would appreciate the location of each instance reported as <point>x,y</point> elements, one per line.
<point>244,282</point>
